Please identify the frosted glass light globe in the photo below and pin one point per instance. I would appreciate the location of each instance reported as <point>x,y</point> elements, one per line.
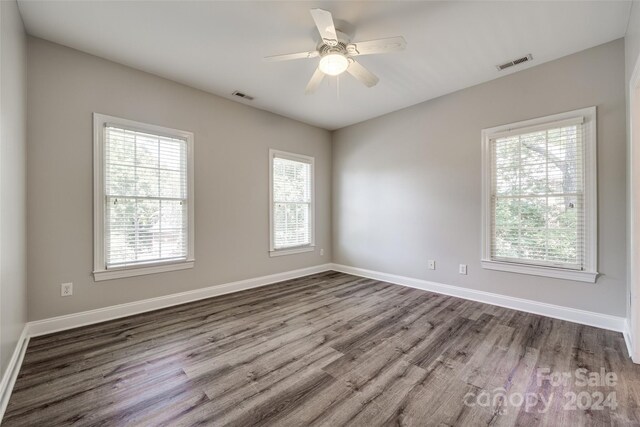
<point>334,64</point>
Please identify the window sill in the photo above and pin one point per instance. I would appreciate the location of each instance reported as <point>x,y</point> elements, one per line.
<point>120,273</point>
<point>534,270</point>
<point>298,250</point>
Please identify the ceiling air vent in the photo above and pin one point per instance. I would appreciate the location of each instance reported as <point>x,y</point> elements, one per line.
<point>527,58</point>
<point>242,95</point>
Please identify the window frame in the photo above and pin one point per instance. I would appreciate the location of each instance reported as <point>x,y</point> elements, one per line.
<point>296,249</point>
<point>100,271</point>
<point>589,272</point>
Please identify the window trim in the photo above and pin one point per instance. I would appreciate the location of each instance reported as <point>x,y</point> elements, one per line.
<point>294,249</point>
<point>590,271</point>
<point>100,271</point>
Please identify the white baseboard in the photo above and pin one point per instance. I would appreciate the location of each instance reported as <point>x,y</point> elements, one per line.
<point>75,320</point>
<point>13,368</point>
<point>60,323</point>
<point>584,317</point>
<point>627,339</point>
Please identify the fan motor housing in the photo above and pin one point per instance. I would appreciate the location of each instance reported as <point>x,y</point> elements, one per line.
<point>326,49</point>
<point>341,47</point>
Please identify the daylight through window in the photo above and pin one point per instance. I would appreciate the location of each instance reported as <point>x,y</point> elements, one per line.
<point>145,197</point>
<point>540,212</point>
<point>144,207</point>
<point>292,201</point>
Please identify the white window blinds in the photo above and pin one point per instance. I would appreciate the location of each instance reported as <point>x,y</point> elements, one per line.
<point>146,197</point>
<point>537,195</point>
<point>291,201</point>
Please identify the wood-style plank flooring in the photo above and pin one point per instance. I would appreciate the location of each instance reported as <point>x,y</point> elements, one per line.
<point>329,349</point>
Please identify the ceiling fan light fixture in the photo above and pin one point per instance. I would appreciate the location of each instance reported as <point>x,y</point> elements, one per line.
<point>334,64</point>
<point>336,52</point>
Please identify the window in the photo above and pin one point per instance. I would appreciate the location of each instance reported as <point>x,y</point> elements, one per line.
<point>143,198</point>
<point>539,196</point>
<point>291,203</point>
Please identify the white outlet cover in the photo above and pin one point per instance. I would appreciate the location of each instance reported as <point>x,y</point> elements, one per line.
<point>66,289</point>
<point>432,264</point>
<point>463,268</point>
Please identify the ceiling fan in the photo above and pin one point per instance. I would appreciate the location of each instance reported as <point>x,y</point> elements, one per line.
<point>336,52</point>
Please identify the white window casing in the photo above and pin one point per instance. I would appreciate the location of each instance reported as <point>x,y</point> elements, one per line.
<point>143,198</point>
<point>291,203</point>
<point>539,196</point>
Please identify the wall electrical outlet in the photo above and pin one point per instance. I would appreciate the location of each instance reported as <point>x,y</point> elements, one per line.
<point>463,269</point>
<point>321,252</point>
<point>66,289</point>
<point>432,264</point>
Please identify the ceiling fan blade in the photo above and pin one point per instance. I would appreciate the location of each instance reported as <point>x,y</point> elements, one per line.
<point>315,81</point>
<point>391,44</point>
<point>362,74</point>
<point>288,56</point>
<point>324,22</point>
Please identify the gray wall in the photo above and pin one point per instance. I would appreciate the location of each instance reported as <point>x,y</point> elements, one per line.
<point>632,39</point>
<point>406,186</point>
<point>13,141</point>
<point>231,174</point>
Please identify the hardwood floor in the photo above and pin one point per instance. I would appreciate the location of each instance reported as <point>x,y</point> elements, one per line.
<point>329,349</point>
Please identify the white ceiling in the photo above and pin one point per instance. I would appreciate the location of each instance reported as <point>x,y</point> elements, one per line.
<point>218,46</point>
